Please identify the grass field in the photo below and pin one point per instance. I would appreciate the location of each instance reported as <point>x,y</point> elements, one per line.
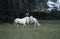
<point>49,29</point>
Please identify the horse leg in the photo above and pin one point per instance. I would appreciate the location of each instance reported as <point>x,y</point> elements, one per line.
<point>17,25</point>
<point>24,25</point>
<point>35,24</point>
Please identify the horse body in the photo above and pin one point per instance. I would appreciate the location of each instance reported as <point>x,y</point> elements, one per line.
<point>34,21</point>
<point>23,21</point>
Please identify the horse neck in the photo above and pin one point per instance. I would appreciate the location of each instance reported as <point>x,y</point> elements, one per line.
<point>31,18</point>
<point>23,18</point>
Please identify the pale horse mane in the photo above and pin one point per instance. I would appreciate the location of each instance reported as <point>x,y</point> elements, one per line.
<point>34,20</point>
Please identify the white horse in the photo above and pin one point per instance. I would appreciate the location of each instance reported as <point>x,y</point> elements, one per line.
<point>23,21</point>
<point>34,21</point>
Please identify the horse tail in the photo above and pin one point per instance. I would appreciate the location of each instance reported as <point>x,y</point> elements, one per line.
<point>15,22</point>
<point>38,24</point>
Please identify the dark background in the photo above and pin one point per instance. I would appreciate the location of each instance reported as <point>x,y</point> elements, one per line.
<point>11,9</point>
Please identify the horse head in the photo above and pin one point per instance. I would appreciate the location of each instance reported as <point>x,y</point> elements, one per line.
<point>27,20</point>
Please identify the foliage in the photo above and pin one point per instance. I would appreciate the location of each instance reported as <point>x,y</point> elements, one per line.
<point>10,9</point>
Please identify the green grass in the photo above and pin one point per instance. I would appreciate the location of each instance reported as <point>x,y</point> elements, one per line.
<point>47,30</point>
